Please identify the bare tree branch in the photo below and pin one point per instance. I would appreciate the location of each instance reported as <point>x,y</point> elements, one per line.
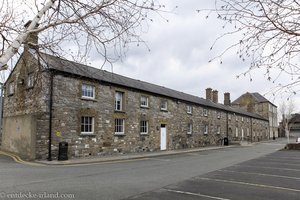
<point>109,26</point>
<point>268,32</point>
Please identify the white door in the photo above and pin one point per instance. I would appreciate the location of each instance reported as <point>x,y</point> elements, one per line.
<point>163,137</point>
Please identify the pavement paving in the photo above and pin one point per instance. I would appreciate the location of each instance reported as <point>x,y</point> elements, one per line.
<point>130,156</point>
<point>274,176</point>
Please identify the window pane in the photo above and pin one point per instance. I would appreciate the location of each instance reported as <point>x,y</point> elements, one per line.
<point>88,91</point>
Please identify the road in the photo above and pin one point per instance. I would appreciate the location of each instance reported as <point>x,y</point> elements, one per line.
<point>123,179</point>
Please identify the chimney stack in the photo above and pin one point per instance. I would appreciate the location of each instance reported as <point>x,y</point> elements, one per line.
<point>215,96</point>
<point>209,95</point>
<point>32,39</point>
<point>227,101</point>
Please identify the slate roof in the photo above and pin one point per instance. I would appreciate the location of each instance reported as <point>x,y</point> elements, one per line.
<point>66,66</point>
<point>258,98</point>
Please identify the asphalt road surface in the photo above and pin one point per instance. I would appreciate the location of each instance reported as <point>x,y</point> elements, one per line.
<point>272,177</point>
<point>198,175</point>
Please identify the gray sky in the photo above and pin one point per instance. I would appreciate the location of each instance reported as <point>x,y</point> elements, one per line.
<point>180,51</point>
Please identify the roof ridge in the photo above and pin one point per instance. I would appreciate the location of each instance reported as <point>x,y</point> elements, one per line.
<point>75,68</point>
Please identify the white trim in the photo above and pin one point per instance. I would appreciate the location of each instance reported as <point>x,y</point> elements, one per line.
<point>121,126</point>
<point>147,101</point>
<point>85,89</point>
<point>92,124</point>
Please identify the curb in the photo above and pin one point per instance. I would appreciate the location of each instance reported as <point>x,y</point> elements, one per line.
<point>125,157</point>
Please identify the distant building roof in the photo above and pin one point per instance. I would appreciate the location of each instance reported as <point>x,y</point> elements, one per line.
<point>258,98</point>
<point>62,65</point>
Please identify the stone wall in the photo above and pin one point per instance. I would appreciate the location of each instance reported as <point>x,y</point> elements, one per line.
<point>26,104</point>
<point>69,106</point>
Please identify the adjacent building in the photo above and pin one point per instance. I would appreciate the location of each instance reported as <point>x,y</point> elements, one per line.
<point>256,103</point>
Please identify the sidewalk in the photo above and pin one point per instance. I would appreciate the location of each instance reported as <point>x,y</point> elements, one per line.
<point>130,156</point>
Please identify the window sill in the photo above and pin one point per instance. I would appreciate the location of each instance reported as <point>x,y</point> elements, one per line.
<point>88,99</point>
<point>189,113</point>
<point>119,111</point>
<point>87,134</point>
<point>119,134</point>
<point>164,110</point>
<point>144,134</point>
<point>145,107</point>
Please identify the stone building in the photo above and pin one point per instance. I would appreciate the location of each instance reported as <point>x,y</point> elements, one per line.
<point>293,126</point>
<point>256,103</point>
<point>49,100</point>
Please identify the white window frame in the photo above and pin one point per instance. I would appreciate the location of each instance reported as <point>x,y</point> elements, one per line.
<point>205,112</point>
<point>119,126</point>
<point>236,132</point>
<point>119,101</point>
<point>218,129</point>
<point>11,88</point>
<point>144,127</point>
<point>30,80</point>
<point>164,105</point>
<point>229,117</point>
<point>87,126</point>
<point>88,91</point>
<point>144,101</point>
<point>189,128</point>
<point>205,129</point>
<point>236,118</point>
<point>242,119</point>
<point>189,109</point>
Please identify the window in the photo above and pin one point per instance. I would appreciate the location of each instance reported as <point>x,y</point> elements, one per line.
<point>242,119</point>
<point>144,127</point>
<point>205,129</point>
<point>236,118</point>
<point>119,101</point>
<point>144,102</point>
<point>229,116</point>
<point>189,109</point>
<point>11,88</point>
<point>236,132</point>
<point>247,131</point>
<point>30,80</point>
<point>189,128</point>
<point>88,91</point>
<point>205,112</point>
<point>119,126</point>
<point>87,125</point>
<point>164,105</point>
<point>218,129</point>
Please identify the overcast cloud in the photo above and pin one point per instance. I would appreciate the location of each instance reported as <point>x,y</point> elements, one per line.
<point>180,53</point>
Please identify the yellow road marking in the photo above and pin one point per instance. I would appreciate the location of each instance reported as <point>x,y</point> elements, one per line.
<point>251,184</point>
<point>97,163</point>
<point>17,159</point>
<point>20,161</point>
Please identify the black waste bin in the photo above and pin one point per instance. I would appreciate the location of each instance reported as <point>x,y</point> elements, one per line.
<point>226,142</point>
<point>63,151</point>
